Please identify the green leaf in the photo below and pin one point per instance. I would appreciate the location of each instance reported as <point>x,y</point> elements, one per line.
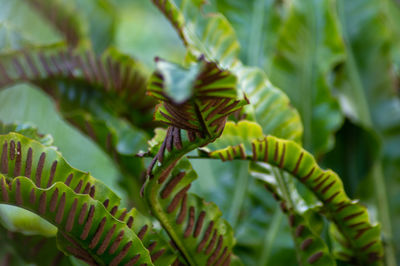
<point>349,216</point>
<point>21,156</point>
<point>212,93</point>
<point>195,226</point>
<point>80,219</point>
<point>367,88</point>
<point>117,75</point>
<point>67,21</point>
<point>27,130</point>
<point>213,37</point>
<point>20,27</point>
<point>309,47</point>
<point>32,248</point>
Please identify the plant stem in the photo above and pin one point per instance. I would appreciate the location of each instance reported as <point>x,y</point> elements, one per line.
<point>271,236</point>
<point>240,193</point>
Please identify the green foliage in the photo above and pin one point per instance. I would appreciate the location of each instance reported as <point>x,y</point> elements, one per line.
<point>271,202</point>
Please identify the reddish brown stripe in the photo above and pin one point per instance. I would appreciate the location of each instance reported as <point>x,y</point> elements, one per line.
<point>367,246</point>
<point>212,243</point>
<point>106,202</point>
<point>227,261</point>
<point>53,200</point>
<point>32,196</point>
<point>217,109</point>
<point>317,187</point>
<point>172,184</point>
<point>40,169</point>
<point>122,254</point>
<point>164,175</point>
<point>116,243</point>
<point>306,243</point>
<point>177,138</point>
<point>205,237</point>
<point>191,136</point>
<point>152,246</point>
<point>157,254</point>
<point>266,149</point>
<point>114,210</point>
<point>79,186</point>
<point>299,230</point>
<point>360,232</point>
<point>168,139</point>
<point>291,220</point>
<point>130,222</point>
<point>82,214</point>
<point>313,258</point>
<point>52,173</point>
<point>332,197</point>
<point>69,179</point>
<point>318,178</point>
<point>19,69</point>
<point>135,259</point>
<point>325,189</point>
<point>142,231</point>
<point>282,156</point>
<point>352,216</point>
<point>71,216</point>
<point>12,150</point>
<point>341,206</point>
<point>18,193</point>
<point>199,224</point>
<point>222,257</point>
<point>87,188</point>
<point>4,158</point>
<point>214,255</point>
<point>221,157</point>
<point>296,168</point>
<point>174,203</point>
<point>88,223</point>
<point>189,227</point>
<point>242,152</point>
<point>305,178</point>
<point>35,71</point>
<point>97,235</point>
<point>253,147</point>
<point>60,210</point>
<point>122,216</point>
<point>182,214</point>
<point>356,224</point>
<point>45,65</point>
<point>276,151</point>
<point>28,166</point>
<point>230,158</point>
<point>92,191</point>
<point>42,203</point>
<point>17,169</point>
<point>4,192</point>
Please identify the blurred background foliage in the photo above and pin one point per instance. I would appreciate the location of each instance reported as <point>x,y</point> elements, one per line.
<point>337,60</point>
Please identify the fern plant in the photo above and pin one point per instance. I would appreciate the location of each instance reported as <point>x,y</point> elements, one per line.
<point>155,128</point>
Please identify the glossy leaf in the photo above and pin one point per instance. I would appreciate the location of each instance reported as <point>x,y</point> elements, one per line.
<point>195,226</point>
<point>21,156</point>
<point>33,249</point>
<point>114,73</point>
<point>350,217</point>
<point>203,96</point>
<point>309,47</point>
<point>213,37</point>
<point>66,20</point>
<point>80,219</point>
